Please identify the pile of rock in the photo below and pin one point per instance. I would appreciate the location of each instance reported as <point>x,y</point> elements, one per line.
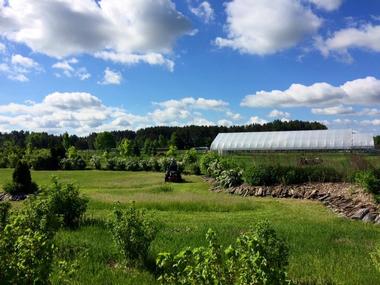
<point>343,198</point>
<point>8,197</point>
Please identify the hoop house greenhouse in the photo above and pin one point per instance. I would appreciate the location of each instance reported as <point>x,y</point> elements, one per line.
<point>292,140</point>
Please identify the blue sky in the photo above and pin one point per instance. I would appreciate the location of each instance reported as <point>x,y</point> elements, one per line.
<point>85,65</point>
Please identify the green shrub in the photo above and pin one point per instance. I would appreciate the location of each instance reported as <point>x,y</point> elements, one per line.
<point>76,163</point>
<point>230,178</point>
<point>262,175</point>
<point>96,162</point>
<point>190,156</point>
<point>133,234</point>
<point>164,163</point>
<point>205,161</point>
<point>120,164</point>
<point>132,165</point>
<point>153,164</point>
<point>215,169</point>
<point>26,245</point>
<point>258,257</point>
<point>42,159</point>
<point>4,214</point>
<point>66,202</point>
<point>368,180</point>
<point>192,168</point>
<point>21,181</point>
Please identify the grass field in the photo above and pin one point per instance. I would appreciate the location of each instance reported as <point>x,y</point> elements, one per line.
<point>323,247</point>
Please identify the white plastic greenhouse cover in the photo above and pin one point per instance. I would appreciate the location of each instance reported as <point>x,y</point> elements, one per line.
<point>293,140</point>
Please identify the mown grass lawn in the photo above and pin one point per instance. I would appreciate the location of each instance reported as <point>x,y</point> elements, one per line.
<point>323,247</point>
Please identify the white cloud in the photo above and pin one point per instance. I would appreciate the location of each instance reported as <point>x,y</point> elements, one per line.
<point>257,120</point>
<point>204,11</point>
<point>126,58</point>
<point>370,112</point>
<point>336,110</point>
<point>363,91</point>
<point>365,37</point>
<point>278,114</point>
<point>124,27</point>
<point>18,66</point>
<point>82,113</point>
<point>23,61</point>
<point>67,68</point>
<point>225,123</point>
<point>265,27</point>
<point>328,5</point>
<point>111,77</point>
<point>3,48</point>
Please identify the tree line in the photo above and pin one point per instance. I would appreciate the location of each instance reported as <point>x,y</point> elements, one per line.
<point>159,137</point>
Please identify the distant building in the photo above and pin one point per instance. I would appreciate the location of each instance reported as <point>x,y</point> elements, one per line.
<point>293,141</point>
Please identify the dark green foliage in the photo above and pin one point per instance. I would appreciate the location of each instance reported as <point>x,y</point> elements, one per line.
<point>368,180</point>
<point>192,168</point>
<point>76,163</point>
<point>377,141</point>
<point>96,162</point>
<point>21,181</point>
<point>206,160</point>
<point>66,202</point>
<point>4,212</point>
<point>258,257</point>
<point>43,159</point>
<point>133,233</point>
<point>105,141</point>
<point>271,175</point>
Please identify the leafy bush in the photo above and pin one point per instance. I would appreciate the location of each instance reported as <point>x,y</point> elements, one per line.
<point>153,164</point>
<point>206,160</point>
<point>262,175</point>
<point>66,202</point>
<point>230,178</point>
<point>132,165</point>
<point>76,163</point>
<point>368,180</point>
<point>133,234</point>
<point>164,163</point>
<point>96,162</point>
<point>21,181</point>
<point>42,159</point>
<point>272,175</point>
<point>26,245</point>
<point>215,169</point>
<point>190,156</point>
<point>258,257</point>
<point>120,164</point>
<point>4,213</point>
<point>192,168</point>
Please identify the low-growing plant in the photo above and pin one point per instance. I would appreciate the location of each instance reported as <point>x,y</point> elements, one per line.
<point>96,162</point>
<point>368,180</point>
<point>261,175</point>
<point>257,257</point>
<point>230,178</point>
<point>215,169</point>
<point>21,181</point>
<point>190,156</point>
<point>163,188</point>
<point>133,233</point>
<point>192,168</point>
<point>26,245</point>
<point>376,258</point>
<point>66,202</point>
<point>4,214</point>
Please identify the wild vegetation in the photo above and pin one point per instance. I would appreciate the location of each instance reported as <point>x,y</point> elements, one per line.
<point>183,215</point>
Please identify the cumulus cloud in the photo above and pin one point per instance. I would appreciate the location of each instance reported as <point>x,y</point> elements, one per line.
<point>336,110</point>
<point>124,27</point>
<point>67,68</point>
<point>204,11</point>
<point>257,120</point>
<point>265,27</point>
<point>3,48</point>
<point>365,37</point>
<point>82,113</point>
<point>111,77</point>
<point>364,91</point>
<point>328,5</point>
<point>129,59</point>
<point>278,114</point>
<point>18,66</point>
